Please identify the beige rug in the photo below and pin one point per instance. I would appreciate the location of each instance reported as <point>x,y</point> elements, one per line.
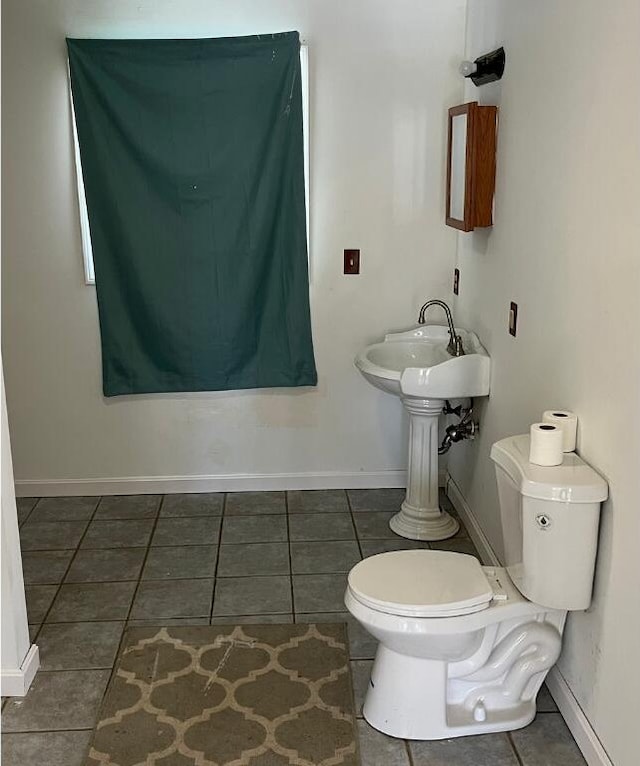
<point>244,695</point>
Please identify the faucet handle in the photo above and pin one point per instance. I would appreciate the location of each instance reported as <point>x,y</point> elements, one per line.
<point>455,347</point>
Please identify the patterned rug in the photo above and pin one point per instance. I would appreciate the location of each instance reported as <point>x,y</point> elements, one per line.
<point>244,695</point>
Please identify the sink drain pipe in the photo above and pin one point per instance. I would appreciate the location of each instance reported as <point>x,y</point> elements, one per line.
<point>465,428</point>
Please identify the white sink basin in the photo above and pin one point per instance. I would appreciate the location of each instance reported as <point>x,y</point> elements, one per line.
<point>417,364</point>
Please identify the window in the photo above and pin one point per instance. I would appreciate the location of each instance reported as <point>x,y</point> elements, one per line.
<point>85,233</point>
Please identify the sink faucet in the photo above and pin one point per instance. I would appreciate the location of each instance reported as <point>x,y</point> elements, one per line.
<point>455,341</point>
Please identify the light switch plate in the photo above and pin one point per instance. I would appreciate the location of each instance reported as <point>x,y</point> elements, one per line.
<point>513,319</point>
<point>352,261</point>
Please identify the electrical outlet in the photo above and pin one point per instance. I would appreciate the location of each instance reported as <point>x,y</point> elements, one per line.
<point>352,261</point>
<point>456,281</point>
<point>513,319</point>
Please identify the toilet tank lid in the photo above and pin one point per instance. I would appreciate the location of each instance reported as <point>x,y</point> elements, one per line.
<point>571,482</point>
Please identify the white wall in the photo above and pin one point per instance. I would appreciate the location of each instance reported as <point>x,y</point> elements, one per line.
<point>382,77</point>
<point>566,247</point>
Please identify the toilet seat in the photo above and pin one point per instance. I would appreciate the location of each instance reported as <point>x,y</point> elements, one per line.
<point>421,583</point>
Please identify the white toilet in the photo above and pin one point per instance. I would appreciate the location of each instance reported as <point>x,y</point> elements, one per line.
<point>464,648</point>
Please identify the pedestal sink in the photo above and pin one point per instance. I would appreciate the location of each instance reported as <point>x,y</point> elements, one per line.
<point>416,366</point>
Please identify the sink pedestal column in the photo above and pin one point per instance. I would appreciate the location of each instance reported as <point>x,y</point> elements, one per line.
<point>420,516</point>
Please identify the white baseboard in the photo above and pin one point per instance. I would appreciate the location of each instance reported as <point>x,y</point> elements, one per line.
<point>578,723</point>
<point>480,540</point>
<point>16,683</point>
<point>152,485</point>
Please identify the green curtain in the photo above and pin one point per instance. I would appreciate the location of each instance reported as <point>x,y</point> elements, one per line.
<point>193,164</point>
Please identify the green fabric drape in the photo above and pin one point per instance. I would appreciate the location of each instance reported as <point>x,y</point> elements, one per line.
<point>193,164</point>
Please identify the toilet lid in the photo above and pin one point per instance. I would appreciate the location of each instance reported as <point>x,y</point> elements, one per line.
<point>421,583</point>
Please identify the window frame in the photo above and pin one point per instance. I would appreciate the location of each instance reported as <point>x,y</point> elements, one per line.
<point>83,214</point>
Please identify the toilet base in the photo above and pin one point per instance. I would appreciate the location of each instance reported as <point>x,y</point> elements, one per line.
<point>408,698</point>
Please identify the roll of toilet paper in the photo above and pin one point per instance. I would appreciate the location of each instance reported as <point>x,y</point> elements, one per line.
<point>567,422</point>
<point>546,444</point>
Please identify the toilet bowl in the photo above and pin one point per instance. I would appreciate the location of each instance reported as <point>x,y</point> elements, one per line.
<point>463,649</point>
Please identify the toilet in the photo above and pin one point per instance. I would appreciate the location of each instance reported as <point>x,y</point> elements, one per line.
<point>463,649</point>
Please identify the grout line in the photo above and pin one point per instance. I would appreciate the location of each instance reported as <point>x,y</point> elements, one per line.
<point>78,670</point>
<point>353,524</point>
<point>45,731</point>
<point>409,753</point>
<point>206,545</point>
<point>515,749</point>
<point>215,571</point>
<point>133,598</point>
<point>100,499</point>
<point>191,577</point>
<point>28,516</point>
<point>66,572</point>
<point>293,601</point>
<point>144,560</point>
<point>194,617</point>
<point>126,621</point>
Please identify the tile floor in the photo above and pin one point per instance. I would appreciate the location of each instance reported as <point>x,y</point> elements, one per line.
<point>94,565</point>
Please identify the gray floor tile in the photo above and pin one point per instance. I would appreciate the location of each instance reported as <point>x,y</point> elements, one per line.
<point>319,592</point>
<point>376,499</point>
<point>180,562</point>
<point>51,535</point>
<point>57,701</point>
<point>106,565</point>
<point>376,749</point>
<point>253,619</point>
<point>53,748</point>
<point>39,598</point>
<point>254,529</point>
<point>254,503</point>
<point>362,646</point>
<point>24,506</point>
<point>33,631</point>
<point>252,595</point>
<point>374,525</point>
<point>253,559</point>
<point>373,547</point>
<point>545,702</point>
<point>115,507</point>
<point>133,533</point>
<point>480,750</point>
<point>164,622</point>
<point>192,531</point>
<point>45,567</point>
<point>360,675</point>
<point>455,544</point>
<point>172,598</point>
<point>205,504</point>
<point>79,645</point>
<point>547,742</point>
<point>321,526</point>
<point>65,509</point>
<point>318,501</point>
<point>92,601</point>
<point>324,557</point>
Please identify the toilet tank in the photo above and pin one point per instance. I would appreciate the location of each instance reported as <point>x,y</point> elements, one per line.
<point>550,517</point>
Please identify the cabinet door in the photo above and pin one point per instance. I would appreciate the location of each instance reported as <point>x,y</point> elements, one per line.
<point>471,166</point>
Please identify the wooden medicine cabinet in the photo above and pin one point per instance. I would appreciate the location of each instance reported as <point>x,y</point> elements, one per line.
<point>471,165</point>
